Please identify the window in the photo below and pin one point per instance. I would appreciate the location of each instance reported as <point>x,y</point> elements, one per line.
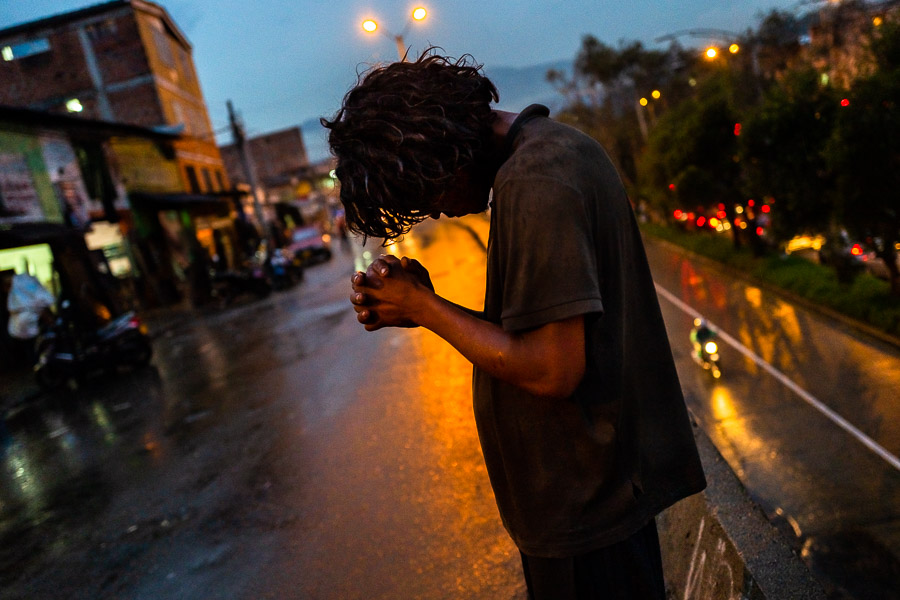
<point>23,49</point>
<point>207,179</point>
<point>99,32</point>
<point>187,71</point>
<point>193,182</point>
<point>178,112</point>
<point>163,47</point>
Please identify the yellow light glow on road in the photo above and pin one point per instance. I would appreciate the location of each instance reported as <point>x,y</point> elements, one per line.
<point>419,14</point>
<point>656,94</point>
<point>369,25</point>
<point>711,53</point>
<point>734,48</point>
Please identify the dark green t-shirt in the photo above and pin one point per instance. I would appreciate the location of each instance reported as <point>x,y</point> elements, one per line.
<point>572,475</point>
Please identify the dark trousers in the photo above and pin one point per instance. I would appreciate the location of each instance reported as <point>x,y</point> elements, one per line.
<point>628,570</point>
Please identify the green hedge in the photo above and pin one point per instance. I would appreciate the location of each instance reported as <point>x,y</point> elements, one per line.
<point>867,298</point>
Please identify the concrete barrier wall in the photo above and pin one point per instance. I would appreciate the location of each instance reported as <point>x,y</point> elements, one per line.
<point>719,545</point>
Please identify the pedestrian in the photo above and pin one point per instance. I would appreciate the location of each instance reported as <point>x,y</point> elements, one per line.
<point>578,406</point>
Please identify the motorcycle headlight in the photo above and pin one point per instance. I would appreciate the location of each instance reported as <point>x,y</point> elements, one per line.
<point>711,348</point>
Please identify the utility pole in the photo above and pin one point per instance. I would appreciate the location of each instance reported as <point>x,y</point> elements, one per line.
<point>240,142</point>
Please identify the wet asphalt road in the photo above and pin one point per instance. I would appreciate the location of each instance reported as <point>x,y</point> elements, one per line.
<point>277,450</point>
<point>836,499</point>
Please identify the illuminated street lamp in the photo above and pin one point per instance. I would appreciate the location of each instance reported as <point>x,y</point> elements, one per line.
<point>418,14</point>
<point>711,53</point>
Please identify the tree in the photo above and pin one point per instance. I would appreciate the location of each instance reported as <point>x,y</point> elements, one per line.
<point>864,153</point>
<point>780,145</point>
<point>692,158</point>
<point>604,91</point>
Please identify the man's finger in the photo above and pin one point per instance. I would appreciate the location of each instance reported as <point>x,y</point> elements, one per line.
<point>379,267</point>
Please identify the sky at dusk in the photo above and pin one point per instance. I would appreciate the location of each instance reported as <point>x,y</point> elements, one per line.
<point>285,62</point>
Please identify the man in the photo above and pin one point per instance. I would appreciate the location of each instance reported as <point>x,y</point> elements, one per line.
<point>578,406</point>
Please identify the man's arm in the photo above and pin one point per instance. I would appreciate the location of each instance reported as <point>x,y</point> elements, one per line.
<point>545,361</point>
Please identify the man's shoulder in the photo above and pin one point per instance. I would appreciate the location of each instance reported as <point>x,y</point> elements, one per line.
<point>552,151</point>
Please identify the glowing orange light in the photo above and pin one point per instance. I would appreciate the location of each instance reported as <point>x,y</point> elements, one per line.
<point>721,214</point>
<point>369,25</point>
<point>734,48</point>
<point>644,101</point>
<point>656,94</point>
<point>419,14</point>
<point>711,53</point>
<point>713,222</point>
<point>856,250</point>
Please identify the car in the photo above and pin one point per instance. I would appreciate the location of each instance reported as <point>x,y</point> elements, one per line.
<point>309,245</point>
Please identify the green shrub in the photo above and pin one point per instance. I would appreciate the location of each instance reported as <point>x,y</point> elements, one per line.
<point>865,298</point>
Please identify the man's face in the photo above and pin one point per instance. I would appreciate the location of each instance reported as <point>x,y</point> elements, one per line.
<point>468,195</point>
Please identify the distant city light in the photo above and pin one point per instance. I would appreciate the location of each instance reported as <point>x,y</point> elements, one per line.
<point>643,101</point>
<point>656,94</point>
<point>419,14</point>
<point>877,21</point>
<point>734,48</point>
<point>369,25</point>
<point>74,105</point>
<point>711,53</point>
<point>845,102</point>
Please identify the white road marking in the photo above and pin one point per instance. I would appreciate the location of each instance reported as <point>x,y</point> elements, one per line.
<point>806,396</point>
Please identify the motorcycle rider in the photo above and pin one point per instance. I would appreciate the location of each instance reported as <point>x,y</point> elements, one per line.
<point>700,335</point>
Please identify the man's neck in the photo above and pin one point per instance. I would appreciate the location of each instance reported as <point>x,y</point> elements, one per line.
<point>501,126</point>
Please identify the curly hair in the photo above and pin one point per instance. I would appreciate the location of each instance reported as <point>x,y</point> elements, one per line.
<point>401,136</point>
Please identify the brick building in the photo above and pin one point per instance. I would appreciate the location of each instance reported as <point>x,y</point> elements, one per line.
<point>122,61</point>
<point>274,154</point>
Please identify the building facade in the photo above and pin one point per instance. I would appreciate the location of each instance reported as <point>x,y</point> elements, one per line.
<point>123,61</point>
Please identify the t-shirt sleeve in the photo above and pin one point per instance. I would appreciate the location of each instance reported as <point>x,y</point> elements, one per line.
<point>547,253</point>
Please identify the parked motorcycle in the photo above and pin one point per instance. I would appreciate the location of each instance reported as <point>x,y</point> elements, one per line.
<point>284,271</point>
<point>66,355</point>
<point>706,350</point>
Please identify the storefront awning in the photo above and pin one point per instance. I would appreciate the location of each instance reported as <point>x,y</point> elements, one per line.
<point>204,203</point>
<point>14,235</point>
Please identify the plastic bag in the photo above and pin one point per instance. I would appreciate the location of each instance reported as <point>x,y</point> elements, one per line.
<point>27,300</point>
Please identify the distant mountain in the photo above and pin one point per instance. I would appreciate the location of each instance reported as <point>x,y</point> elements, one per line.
<point>521,86</point>
<point>518,87</point>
